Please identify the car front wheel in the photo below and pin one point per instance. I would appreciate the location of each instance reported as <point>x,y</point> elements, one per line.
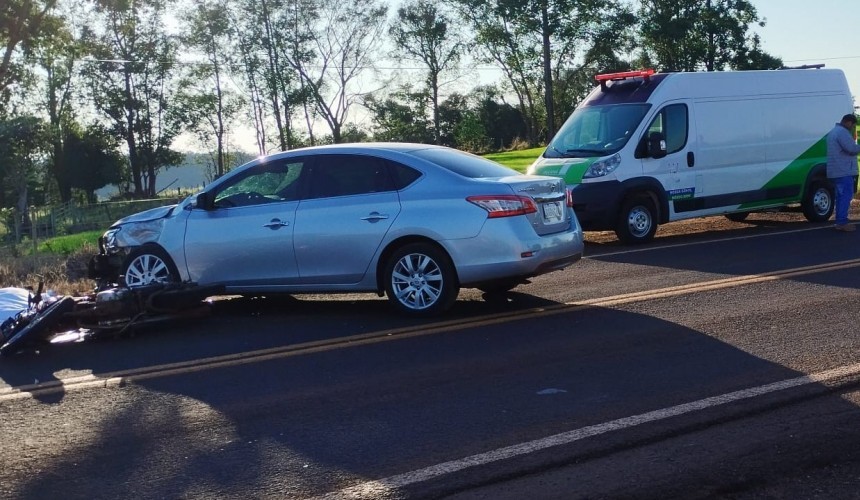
<point>420,280</point>
<point>149,264</point>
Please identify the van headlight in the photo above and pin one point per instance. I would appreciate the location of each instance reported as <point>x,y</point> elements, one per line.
<point>603,167</point>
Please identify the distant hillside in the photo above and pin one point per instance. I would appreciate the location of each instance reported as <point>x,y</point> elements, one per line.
<point>191,174</point>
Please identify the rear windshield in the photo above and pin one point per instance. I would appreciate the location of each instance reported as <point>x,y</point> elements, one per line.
<point>465,164</point>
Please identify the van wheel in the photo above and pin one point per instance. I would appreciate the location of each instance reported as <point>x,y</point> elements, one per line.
<point>819,201</point>
<point>738,216</point>
<point>637,221</point>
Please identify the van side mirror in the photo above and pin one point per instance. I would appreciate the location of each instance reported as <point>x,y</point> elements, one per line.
<point>205,201</point>
<point>656,145</point>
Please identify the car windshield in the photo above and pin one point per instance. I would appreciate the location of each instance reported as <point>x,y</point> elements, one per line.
<point>596,131</point>
<point>465,164</point>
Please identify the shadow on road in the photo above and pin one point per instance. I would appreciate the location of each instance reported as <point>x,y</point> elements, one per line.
<point>292,426</point>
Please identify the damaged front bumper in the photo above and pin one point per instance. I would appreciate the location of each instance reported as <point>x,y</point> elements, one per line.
<point>104,267</point>
<point>115,245</point>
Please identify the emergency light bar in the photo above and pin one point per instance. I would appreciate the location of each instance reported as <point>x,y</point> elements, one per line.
<point>644,73</point>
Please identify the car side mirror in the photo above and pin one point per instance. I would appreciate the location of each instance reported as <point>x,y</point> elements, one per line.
<point>206,201</point>
<point>656,145</point>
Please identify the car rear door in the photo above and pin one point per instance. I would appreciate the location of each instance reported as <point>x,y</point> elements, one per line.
<point>350,206</point>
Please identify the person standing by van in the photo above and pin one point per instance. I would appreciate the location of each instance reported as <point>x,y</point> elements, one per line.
<point>842,151</point>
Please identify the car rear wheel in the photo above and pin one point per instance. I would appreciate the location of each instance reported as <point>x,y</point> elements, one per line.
<point>420,280</point>
<point>147,265</point>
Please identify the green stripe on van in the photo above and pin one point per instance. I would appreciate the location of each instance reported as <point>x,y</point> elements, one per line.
<point>570,171</point>
<point>794,174</point>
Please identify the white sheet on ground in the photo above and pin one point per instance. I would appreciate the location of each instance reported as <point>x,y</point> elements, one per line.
<point>12,301</point>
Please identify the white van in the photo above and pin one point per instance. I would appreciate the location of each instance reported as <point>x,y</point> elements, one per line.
<point>644,149</point>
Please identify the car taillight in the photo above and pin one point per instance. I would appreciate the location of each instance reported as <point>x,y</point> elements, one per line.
<point>504,205</point>
<point>568,197</point>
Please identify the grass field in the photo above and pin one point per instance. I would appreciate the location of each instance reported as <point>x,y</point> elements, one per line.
<point>67,245</point>
<point>517,160</point>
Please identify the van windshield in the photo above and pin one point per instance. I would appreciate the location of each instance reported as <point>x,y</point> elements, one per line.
<point>596,131</point>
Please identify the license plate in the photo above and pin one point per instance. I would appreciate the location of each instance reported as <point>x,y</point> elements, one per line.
<point>552,212</point>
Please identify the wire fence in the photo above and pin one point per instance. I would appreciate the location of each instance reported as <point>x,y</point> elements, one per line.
<point>41,223</point>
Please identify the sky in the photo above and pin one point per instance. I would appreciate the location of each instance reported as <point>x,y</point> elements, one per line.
<point>814,32</point>
<point>797,31</point>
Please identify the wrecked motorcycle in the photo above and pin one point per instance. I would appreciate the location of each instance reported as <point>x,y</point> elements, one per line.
<point>113,310</point>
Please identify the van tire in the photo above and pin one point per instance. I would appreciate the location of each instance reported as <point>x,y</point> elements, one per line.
<point>637,221</point>
<point>738,216</point>
<point>819,201</point>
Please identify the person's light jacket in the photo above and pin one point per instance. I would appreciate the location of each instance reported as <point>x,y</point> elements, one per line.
<point>842,153</point>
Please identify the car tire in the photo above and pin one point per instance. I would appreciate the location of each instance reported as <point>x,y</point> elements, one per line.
<point>420,280</point>
<point>637,221</point>
<point>819,201</point>
<point>738,216</point>
<point>39,326</point>
<point>147,265</point>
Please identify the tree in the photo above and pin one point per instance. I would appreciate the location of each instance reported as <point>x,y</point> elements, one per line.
<point>132,85</point>
<point>451,112</point>
<point>207,105</point>
<point>558,34</point>
<point>424,32</point>
<point>502,123</point>
<point>56,53</point>
<point>22,148</point>
<point>270,37</point>
<point>21,23</point>
<point>339,43</point>
<point>92,159</point>
<point>710,35</point>
<point>400,117</point>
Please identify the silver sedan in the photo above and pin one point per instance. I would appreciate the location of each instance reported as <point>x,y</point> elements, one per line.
<point>412,221</point>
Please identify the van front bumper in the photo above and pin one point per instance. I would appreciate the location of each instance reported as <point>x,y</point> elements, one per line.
<point>596,204</point>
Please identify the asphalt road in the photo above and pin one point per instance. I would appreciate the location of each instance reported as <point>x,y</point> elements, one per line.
<point>720,361</point>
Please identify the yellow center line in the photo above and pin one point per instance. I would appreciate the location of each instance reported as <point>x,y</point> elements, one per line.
<point>123,377</point>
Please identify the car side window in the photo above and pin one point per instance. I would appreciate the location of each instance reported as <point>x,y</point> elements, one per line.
<point>403,175</point>
<point>344,175</point>
<point>672,122</point>
<point>269,182</point>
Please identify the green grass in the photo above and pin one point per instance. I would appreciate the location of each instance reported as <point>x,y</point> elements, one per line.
<point>67,245</point>
<point>517,160</point>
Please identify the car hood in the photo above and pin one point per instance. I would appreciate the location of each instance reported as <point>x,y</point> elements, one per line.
<point>147,215</point>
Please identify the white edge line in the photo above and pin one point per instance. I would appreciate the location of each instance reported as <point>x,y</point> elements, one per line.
<point>380,487</point>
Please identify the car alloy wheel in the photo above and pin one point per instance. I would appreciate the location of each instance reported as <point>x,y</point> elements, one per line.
<point>420,279</point>
<point>148,265</point>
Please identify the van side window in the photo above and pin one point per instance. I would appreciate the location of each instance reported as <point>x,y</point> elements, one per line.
<point>672,122</point>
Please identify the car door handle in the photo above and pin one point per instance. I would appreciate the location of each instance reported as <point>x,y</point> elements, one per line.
<point>375,217</point>
<point>276,224</point>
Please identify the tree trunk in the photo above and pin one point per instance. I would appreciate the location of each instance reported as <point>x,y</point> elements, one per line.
<point>547,74</point>
<point>130,139</point>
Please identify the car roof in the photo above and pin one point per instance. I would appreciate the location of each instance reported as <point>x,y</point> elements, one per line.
<point>401,147</point>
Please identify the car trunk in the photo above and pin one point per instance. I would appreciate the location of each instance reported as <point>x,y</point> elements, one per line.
<point>550,196</point>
